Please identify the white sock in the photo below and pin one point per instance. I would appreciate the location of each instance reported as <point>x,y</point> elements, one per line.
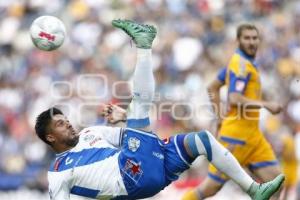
<point>222,159</point>
<point>143,86</point>
<point>143,79</point>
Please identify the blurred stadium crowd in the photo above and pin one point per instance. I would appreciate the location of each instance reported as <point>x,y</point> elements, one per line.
<point>195,39</point>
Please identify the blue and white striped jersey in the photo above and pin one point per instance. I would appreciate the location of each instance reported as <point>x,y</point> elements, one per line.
<point>89,169</point>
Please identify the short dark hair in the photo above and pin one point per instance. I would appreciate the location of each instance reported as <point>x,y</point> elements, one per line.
<point>43,121</point>
<point>245,27</point>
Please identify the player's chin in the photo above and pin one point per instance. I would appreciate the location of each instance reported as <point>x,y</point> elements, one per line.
<point>251,52</point>
<point>73,140</point>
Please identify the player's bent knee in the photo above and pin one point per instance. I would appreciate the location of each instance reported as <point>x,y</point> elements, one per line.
<point>197,142</point>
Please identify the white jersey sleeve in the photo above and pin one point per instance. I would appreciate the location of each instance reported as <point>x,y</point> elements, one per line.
<point>58,188</point>
<point>112,135</point>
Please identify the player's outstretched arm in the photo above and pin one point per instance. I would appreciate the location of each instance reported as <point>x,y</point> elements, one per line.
<point>239,78</point>
<point>114,114</point>
<point>213,90</point>
<point>214,95</point>
<point>238,99</point>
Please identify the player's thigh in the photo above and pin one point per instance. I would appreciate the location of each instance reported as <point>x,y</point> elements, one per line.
<point>263,162</point>
<point>238,148</point>
<point>267,173</point>
<point>209,187</point>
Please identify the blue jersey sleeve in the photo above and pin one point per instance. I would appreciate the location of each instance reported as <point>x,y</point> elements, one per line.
<point>237,83</point>
<point>222,75</point>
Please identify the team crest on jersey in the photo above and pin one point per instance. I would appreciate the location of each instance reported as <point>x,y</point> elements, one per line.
<point>133,170</point>
<point>133,144</point>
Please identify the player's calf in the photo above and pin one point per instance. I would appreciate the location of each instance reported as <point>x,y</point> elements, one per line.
<point>204,143</point>
<point>207,189</point>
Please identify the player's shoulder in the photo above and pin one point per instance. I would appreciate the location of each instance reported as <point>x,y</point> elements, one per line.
<point>91,129</point>
<point>239,65</point>
<point>238,60</point>
<point>89,133</point>
<point>98,128</point>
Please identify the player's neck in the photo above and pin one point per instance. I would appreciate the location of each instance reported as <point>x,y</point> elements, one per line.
<point>245,55</point>
<point>59,149</point>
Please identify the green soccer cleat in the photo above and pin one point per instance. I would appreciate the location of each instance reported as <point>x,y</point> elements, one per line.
<point>142,35</point>
<point>266,190</point>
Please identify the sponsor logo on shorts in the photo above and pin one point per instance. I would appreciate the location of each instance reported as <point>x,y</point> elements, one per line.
<point>158,155</point>
<point>133,170</point>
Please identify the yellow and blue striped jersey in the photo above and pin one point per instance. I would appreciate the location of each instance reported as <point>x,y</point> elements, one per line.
<point>242,76</point>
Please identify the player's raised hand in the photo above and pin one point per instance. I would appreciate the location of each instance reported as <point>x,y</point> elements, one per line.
<point>273,107</point>
<point>113,113</point>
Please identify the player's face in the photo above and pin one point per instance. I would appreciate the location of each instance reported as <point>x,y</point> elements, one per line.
<point>249,41</point>
<point>62,131</point>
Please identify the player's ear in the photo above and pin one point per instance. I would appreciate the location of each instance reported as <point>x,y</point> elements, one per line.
<point>50,138</point>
